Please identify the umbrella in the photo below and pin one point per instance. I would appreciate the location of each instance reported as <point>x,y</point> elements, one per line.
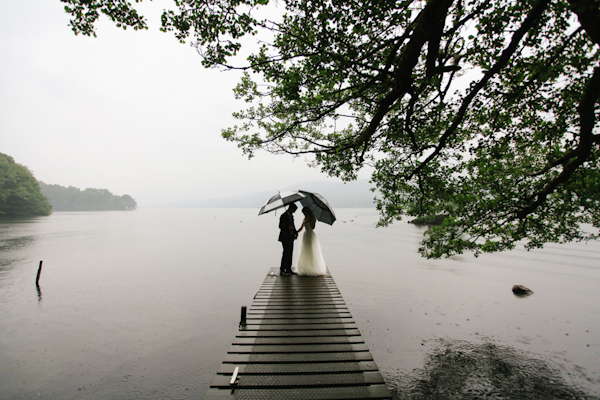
<point>319,206</point>
<point>317,203</point>
<point>280,200</point>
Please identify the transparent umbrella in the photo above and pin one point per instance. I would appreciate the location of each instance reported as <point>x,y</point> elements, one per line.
<point>281,200</point>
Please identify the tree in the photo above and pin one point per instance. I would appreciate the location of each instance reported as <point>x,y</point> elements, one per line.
<point>485,110</point>
<point>19,191</point>
<point>130,203</point>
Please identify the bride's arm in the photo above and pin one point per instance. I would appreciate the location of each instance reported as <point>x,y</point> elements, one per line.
<point>302,227</point>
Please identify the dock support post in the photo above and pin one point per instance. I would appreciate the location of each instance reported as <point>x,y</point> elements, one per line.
<point>37,279</point>
<point>243,317</point>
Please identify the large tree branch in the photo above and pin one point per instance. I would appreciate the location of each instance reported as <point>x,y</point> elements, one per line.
<point>529,22</point>
<point>587,120</point>
<point>588,13</point>
<point>424,31</point>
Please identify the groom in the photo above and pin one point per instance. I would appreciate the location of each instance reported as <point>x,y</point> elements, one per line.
<point>287,235</point>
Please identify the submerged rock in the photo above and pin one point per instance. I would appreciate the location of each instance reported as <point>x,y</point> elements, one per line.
<point>520,290</point>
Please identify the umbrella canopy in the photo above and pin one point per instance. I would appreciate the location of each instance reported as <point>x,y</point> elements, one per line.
<point>317,203</point>
<point>280,200</point>
<point>319,206</point>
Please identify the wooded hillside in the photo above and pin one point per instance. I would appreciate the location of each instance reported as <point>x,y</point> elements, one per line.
<point>74,199</point>
<point>19,191</point>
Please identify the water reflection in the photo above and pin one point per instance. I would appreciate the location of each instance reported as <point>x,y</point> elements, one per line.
<point>462,370</point>
<point>39,293</point>
<point>16,243</point>
<point>9,247</point>
<point>11,244</point>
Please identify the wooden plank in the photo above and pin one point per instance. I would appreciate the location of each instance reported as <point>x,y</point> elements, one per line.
<point>291,327</point>
<point>360,378</point>
<point>331,393</point>
<point>305,295</point>
<point>289,291</point>
<point>301,302</point>
<point>298,314</point>
<point>299,333</point>
<point>277,348</point>
<point>303,368</point>
<point>296,288</point>
<point>249,341</point>
<point>324,291</point>
<point>284,358</point>
<point>298,321</point>
<point>303,316</point>
<point>292,307</point>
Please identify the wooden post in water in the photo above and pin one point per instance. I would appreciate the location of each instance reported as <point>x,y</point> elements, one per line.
<point>243,317</point>
<point>37,279</point>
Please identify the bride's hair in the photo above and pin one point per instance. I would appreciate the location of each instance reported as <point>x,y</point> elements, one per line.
<point>308,212</point>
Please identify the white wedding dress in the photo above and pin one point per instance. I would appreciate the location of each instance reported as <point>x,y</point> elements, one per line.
<point>311,262</point>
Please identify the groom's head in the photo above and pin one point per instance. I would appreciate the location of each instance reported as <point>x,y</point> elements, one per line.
<point>292,208</point>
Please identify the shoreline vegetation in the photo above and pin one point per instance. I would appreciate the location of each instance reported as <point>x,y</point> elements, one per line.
<point>21,195</point>
<point>74,199</point>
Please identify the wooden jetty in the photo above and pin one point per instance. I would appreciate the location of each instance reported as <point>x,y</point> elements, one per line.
<point>299,341</point>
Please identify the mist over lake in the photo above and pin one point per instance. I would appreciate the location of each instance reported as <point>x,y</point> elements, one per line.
<point>145,304</point>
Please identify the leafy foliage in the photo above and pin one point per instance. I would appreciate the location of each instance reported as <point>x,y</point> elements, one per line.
<point>73,199</point>
<point>86,12</point>
<point>485,110</point>
<point>19,191</point>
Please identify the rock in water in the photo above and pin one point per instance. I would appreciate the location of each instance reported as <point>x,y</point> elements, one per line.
<point>520,290</point>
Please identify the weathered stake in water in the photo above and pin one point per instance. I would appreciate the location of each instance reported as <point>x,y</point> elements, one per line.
<point>37,279</point>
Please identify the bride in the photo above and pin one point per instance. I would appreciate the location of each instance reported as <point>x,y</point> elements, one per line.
<point>310,262</point>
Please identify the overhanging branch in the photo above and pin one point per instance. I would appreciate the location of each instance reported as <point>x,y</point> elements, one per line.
<point>587,120</point>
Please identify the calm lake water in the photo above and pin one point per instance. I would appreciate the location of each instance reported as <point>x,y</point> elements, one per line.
<point>144,305</point>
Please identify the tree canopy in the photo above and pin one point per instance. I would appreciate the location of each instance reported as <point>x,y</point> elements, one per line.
<point>19,191</point>
<point>484,110</point>
<point>74,199</point>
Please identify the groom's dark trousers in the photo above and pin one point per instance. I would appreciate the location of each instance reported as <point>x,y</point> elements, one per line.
<point>286,257</point>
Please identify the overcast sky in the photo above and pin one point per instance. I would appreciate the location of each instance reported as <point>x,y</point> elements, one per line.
<point>133,112</point>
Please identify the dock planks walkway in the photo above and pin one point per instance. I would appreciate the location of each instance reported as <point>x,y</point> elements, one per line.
<point>300,342</point>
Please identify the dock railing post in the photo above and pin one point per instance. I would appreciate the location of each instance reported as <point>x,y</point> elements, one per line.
<point>243,317</point>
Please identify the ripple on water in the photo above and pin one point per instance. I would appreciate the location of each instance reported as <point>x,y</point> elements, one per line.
<point>181,373</point>
<point>134,395</point>
<point>185,385</point>
<point>462,370</point>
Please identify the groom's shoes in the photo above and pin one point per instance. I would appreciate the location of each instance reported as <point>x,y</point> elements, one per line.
<point>285,273</point>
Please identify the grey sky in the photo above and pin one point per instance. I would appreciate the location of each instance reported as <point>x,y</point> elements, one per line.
<point>132,112</point>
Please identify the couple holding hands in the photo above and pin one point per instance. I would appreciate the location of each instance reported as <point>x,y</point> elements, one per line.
<point>310,262</point>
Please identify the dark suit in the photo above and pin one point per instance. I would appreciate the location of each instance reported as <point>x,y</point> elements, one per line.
<point>287,235</point>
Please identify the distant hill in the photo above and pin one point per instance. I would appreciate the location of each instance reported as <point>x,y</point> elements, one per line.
<point>354,194</point>
<point>73,199</point>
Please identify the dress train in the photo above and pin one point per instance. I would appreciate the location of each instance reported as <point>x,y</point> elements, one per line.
<point>311,262</point>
